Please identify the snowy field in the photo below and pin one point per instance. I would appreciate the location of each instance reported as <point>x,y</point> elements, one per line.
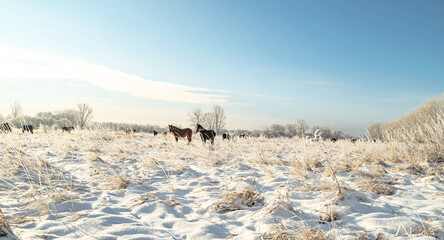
<point>108,185</point>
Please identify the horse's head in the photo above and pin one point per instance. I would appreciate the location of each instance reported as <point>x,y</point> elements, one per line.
<point>199,127</point>
<point>170,128</point>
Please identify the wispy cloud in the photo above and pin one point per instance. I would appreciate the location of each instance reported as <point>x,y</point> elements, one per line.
<point>20,63</point>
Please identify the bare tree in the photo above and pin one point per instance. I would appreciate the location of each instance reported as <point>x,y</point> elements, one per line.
<point>16,115</point>
<point>218,118</point>
<point>208,120</point>
<point>70,114</point>
<point>301,126</point>
<point>290,130</point>
<point>197,117</point>
<point>16,110</point>
<point>84,114</point>
<point>326,132</point>
<point>277,130</point>
<point>315,128</point>
<point>375,130</point>
<point>338,134</point>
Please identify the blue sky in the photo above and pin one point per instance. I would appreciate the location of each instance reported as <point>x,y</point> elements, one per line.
<point>344,64</point>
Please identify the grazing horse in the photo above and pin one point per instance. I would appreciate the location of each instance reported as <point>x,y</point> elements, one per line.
<point>206,134</point>
<point>4,127</point>
<point>27,128</point>
<point>244,135</point>
<point>179,132</point>
<point>333,139</point>
<point>155,133</point>
<point>67,129</point>
<point>226,136</point>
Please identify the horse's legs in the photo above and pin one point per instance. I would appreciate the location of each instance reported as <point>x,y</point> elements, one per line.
<point>177,139</point>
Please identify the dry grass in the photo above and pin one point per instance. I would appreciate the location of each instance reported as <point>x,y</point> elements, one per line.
<point>318,166</point>
<point>114,183</point>
<point>373,185</point>
<point>303,232</point>
<point>362,236</point>
<point>76,217</point>
<point>94,158</point>
<point>236,200</point>
<point>423,229</point>
<point>5,229</point>
<point>172,202</point>
<point>330,215</point>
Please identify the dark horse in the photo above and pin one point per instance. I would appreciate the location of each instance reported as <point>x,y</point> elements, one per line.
<point>226,136</point>
<point>4,127</point>
<point>155,133</point>
<point>206,134</point>
<point>179,132</point>
<point>27,128</point>
<point>67,129</point>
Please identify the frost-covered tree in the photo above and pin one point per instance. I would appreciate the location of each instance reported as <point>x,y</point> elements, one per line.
<point>70,114</point>
<point>315,128</point>
<point>208,121</point>
<point>84,115</point>
<point>211,120</point>
<point>375,130</point>
<point>196,117</point>
<point>338,134</point>
<point>326,132</point>
<point>16,115</point>
<point>219,118</point>
<point>290,130</point>
<point>301,126</point>
<point>277,130</point>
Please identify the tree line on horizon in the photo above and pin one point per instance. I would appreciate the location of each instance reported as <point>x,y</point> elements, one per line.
<point>216,120</point>
<point>79,117</point>
<point>424,124</point>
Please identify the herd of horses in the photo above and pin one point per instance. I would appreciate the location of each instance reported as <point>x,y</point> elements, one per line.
<point>5,127</point>
<point>204,134</point>
<point>177,133</point>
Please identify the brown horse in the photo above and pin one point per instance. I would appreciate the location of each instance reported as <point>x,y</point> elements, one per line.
<point>179,132</point>
<point>67,129</point>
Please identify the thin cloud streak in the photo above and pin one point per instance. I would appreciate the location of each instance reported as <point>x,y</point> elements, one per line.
<point>20,63</point>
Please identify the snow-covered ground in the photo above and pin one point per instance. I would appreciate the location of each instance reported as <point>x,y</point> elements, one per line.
<point>107,185</point>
